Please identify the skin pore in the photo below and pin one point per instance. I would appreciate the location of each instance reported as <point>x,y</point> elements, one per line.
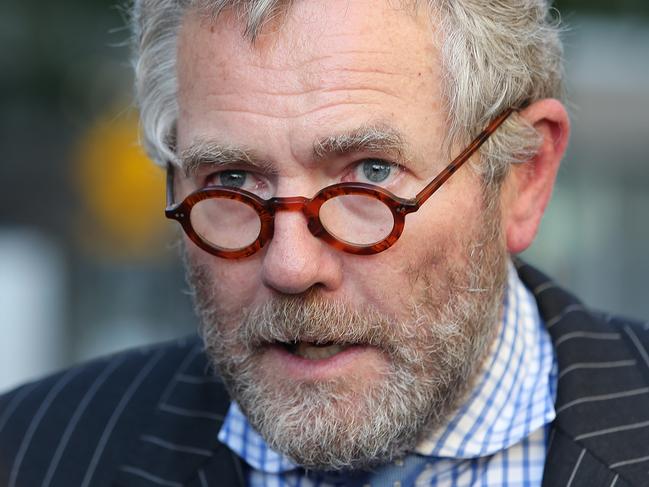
<point>410,326</point>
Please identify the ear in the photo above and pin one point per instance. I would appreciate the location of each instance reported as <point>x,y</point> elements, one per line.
<point>528,187</point>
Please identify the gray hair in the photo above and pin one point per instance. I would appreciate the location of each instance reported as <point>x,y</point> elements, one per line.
<point>495,55</point>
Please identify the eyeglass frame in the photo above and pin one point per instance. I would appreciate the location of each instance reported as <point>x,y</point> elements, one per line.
<point>310,207</point>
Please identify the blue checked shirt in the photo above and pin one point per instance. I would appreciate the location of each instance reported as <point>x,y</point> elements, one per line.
<point>497,437</point>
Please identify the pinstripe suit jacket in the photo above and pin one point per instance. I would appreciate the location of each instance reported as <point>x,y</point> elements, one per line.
<point>150,417</point>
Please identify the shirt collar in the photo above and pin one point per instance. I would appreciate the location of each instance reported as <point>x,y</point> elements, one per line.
<point>512,398</point>
<point>237,434</point>
<point>513,394</point>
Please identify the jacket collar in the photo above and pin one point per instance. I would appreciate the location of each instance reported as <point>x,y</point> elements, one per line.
<point>178,443</point>
<point>596,362</point>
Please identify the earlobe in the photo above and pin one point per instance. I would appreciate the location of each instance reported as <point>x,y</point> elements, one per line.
<point>528,188</point>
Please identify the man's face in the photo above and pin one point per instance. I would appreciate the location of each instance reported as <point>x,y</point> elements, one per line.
<point>338,360</point>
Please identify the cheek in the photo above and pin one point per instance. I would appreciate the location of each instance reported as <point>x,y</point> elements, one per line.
<point>386,281</point>
<point>434,242</point>
<point>233,283</point>
<point>450,216</point>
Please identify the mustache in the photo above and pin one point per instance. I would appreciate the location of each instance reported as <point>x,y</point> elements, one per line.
<point>311,318</point>
<point>317,319</point>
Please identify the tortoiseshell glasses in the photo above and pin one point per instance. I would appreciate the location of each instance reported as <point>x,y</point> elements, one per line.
<point>358,218</point>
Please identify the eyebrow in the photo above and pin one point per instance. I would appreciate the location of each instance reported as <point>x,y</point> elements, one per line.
<point>372,138</point>
<point>204,153</point>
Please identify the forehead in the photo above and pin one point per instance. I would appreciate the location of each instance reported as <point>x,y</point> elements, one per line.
<point>353,61</point>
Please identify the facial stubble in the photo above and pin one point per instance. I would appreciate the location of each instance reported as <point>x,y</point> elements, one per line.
<point>433,357</point>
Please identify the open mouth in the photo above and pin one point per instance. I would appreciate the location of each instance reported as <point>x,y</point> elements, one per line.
<point>314,351</point>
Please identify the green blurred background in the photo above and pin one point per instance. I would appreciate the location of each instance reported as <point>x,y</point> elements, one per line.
<point>87,264</point>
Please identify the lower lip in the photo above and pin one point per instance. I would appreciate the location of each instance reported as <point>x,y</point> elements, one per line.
<point>345,362</point>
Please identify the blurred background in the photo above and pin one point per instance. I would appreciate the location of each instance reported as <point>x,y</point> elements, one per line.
<point>87,264</point>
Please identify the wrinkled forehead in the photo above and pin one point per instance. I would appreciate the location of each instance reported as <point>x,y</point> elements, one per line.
<point>312,39</point>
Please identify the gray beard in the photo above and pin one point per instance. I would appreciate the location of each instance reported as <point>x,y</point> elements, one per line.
<point>434,357</point>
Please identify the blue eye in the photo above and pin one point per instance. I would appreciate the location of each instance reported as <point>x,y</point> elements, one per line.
<point>377,171</point>
<point>233,178</point>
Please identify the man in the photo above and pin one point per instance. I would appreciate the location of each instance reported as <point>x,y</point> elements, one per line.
<point>356,293</point>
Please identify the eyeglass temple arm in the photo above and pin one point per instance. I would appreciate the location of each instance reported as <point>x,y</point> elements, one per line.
<point>170,185</point>
<point>464,156</point>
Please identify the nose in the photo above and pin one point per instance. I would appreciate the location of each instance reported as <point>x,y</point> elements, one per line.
<point>295,260</point>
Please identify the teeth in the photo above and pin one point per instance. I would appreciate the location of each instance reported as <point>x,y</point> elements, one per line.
<point>315,352</point>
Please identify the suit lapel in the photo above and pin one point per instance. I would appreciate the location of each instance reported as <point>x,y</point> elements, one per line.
<point>178,445</point>
<point>602,387</point>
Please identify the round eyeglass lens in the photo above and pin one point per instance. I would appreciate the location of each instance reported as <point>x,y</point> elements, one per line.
<point>357,219</point>
<point>226,223</point>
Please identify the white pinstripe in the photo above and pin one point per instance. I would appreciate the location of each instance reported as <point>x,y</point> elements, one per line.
<point>633,461</point>
<point>574,470</point>
<point>603,397</point>
<point>190,413</point>
<point>636,341</point>
<point>598,365</point>
<point>195,379</point>
<point>544,287</point>
<point>76,416</point>
<point>146,475</point>
<point>195,350</point>
<point>116,414</point>
<point>592,335</point>
<point>568,309</point>
<point>36,420</point>
<point>14,403</point>
<point>201,476</point>
<point>175,447</point>
<point>615,429</point>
